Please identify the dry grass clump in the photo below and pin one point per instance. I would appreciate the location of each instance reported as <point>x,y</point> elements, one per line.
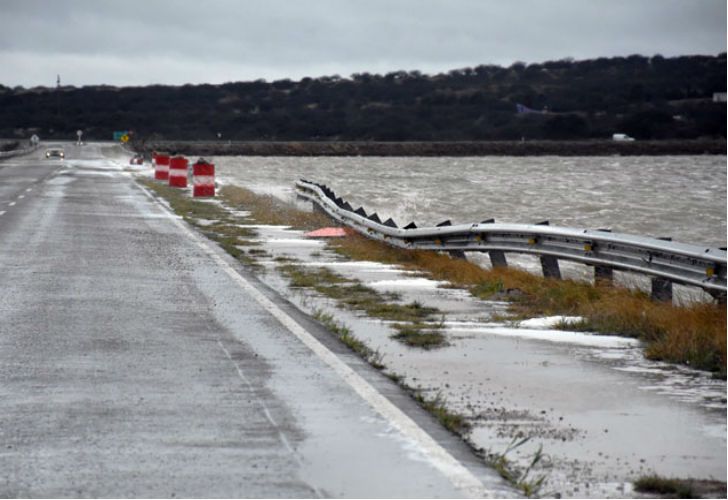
<point>267,209</point>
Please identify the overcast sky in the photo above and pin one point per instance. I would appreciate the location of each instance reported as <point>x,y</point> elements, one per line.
<point>140,42</point>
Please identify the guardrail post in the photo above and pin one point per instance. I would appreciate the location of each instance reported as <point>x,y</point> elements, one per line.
<point>603,275</point>
<point>497,258</point>
<point>720,297</point>
<point>550,267</point>
<point>661,290</point>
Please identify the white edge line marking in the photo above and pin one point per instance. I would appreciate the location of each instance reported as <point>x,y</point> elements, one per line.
<point>441,459</point>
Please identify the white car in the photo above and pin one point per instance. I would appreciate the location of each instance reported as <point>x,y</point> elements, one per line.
<point>55,153</point>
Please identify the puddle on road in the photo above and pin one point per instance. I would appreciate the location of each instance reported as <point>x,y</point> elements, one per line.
<point>602,414</point>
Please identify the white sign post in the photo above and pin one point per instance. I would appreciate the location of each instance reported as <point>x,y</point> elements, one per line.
<point>79,133</point>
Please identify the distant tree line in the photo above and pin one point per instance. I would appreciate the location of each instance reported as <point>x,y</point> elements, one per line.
<point>645,97</point>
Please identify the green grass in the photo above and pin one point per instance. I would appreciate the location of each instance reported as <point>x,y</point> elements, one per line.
<point>677,488</point>
<point>344,334</point>
<point>422,335</point>
<point>410,318</point>
<point>521,478</point>
<point>437,406</point>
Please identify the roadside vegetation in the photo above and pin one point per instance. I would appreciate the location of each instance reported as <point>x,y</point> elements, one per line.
<point>651,97</point>
<point>667,487</point>
<point>414,322</point>
<point>692,334</point>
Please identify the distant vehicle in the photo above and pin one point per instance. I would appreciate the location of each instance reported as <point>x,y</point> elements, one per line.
<point>55,153</point>
<point>622,137</point>
<point>137,160</point>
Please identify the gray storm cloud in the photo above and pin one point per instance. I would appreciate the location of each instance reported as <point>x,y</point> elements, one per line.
<point>164,41</point>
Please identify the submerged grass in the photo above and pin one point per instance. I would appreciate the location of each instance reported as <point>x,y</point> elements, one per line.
<point>411,318</point>
<point>437,406</point>
<point>224,229</point>
<point>344,334</point>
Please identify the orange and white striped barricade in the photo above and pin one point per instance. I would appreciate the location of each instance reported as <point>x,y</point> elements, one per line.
<point>161,167</point>
<point>203,178</point>
<point>178,171</point>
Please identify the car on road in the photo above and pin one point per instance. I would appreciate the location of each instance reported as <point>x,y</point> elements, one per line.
<point>55,153</point>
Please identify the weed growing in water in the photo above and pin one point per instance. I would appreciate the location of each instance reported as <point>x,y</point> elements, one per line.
<point>519,478</point>
<point>437,406</point>
<point>344,334</point>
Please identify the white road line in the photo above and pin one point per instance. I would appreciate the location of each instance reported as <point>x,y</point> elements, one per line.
<point>441,459</point>
<point>28,190</point>
<point>11,204</point>
<point>2,212</point>
<point>21,196</point>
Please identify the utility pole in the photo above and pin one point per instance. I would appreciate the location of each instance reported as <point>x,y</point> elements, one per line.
<point>58,95</point>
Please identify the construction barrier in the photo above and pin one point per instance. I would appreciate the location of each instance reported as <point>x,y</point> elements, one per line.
<point>203,178</point>
<point>178,172</point>
<point>161,166</point>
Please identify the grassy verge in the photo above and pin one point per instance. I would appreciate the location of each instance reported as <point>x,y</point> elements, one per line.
<point>691,334</point>
<point>265,209</point>
<point>211,219</point>
<point>413,320</point>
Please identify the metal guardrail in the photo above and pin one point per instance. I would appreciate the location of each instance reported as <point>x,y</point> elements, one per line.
<point>17,152</point>
<point>665,261</point>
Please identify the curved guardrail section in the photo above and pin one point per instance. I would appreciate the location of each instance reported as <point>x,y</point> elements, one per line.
<point>665,261</point>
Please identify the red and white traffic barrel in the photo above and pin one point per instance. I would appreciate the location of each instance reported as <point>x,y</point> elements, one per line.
<point>161,167</point>
<point>203,178</point>
<point>178,171</point>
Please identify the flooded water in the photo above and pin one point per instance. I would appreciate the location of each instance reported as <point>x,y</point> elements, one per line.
<point>683,197</point>
<point>602,414</point>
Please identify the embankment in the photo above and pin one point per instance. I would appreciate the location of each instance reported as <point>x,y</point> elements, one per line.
<point>485,148</point>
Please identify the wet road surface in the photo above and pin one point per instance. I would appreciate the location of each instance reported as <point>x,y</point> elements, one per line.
<point>139,361</point>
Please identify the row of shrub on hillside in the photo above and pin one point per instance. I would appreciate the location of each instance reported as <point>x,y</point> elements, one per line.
<point>645,97</point>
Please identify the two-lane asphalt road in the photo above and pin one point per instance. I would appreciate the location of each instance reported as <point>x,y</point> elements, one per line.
<point>138,360</point>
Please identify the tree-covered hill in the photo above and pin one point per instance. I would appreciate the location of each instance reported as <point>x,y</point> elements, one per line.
<point>645,97</point>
